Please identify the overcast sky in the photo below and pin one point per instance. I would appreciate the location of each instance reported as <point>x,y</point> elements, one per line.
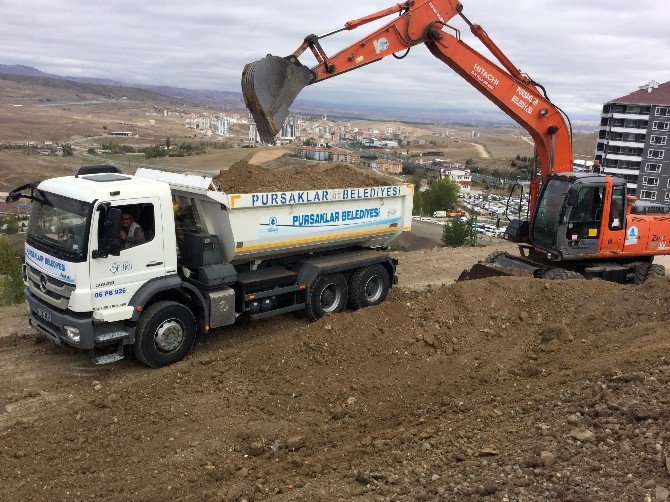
<point>585,52</point>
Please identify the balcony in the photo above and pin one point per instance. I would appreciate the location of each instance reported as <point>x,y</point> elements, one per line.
<point>617,170</point>
<point>626,144</point>
<point>630,158</point>
<point>630,116</point>
<point>628,130</point>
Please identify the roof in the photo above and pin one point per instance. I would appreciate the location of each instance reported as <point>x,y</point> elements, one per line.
<point>659,96</point>
<point>88,190</point>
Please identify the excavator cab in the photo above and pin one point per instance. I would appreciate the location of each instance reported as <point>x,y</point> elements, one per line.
<point>568,221</point>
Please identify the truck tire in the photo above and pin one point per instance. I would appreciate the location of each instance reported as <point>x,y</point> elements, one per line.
<point>368,286</point>
<point>165,333</point>
<point>641,270</point>
<point>656,270</point>
<point>328,295</point>
<point>560,274</point>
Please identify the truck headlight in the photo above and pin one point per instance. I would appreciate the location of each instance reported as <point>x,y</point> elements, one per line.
<point>72,333</point>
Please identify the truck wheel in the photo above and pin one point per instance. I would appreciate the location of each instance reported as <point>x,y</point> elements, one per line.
<point>165,333</point>
<point>560,274</point>
<point>328,296</point>
<point>656,270</point>
<point>368,286</point>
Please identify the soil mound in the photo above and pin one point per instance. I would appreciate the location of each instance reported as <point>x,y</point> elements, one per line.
<point>243,177</point>
<point>504,388</point>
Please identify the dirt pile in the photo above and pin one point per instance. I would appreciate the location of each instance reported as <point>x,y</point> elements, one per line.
<point>506,388</point>
<point>243,177</point>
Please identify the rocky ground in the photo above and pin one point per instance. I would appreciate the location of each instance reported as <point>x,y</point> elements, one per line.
<point>499,389</point>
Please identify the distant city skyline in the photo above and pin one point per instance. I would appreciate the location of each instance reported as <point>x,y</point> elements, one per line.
<point>585,53</point>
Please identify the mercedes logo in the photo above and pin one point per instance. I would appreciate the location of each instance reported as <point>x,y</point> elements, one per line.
<point>43,283</point>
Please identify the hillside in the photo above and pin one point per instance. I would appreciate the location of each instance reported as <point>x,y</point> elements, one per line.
<point>506,388</point>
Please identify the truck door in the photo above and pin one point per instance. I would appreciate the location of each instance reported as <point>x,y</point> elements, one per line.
<point>115,279</point>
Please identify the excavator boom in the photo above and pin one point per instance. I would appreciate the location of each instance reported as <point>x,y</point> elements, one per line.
<point>271,85</point>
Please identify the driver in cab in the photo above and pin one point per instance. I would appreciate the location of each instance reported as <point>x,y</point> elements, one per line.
<point>131,233</point>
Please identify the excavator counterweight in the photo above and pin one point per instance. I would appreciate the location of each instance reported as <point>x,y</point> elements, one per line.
<point>269,87</point>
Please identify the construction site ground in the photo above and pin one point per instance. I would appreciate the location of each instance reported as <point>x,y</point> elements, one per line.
<point>499,389</point>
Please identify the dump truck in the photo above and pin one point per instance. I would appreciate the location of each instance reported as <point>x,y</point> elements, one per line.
<point>155,260</point>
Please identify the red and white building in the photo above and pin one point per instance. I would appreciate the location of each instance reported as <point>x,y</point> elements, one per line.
<point>460,176</point>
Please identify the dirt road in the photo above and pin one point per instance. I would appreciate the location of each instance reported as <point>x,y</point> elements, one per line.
<point>501,389</point>
<point>481,150</point>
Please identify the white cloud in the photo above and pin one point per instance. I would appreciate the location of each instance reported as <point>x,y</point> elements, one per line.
<point>585,53</point>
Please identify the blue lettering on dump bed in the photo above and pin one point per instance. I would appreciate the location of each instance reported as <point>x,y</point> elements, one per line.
<point>280,198</point>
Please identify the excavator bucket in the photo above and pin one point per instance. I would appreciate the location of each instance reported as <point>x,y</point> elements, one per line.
<point>269,87</point>
<point>499,264</point>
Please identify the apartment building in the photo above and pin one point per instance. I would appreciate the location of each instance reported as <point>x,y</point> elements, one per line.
<point>633,141</point>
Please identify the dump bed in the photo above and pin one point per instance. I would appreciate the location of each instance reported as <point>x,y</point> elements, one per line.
<point>258,226</point>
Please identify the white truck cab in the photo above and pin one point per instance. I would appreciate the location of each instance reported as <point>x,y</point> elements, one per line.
<point>151,261</point>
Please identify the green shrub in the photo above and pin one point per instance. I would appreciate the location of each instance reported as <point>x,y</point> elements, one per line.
<point>456,233</point>
<point>11,277</point>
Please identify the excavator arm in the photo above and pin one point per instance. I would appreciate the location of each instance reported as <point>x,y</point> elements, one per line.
<point>271,84</point>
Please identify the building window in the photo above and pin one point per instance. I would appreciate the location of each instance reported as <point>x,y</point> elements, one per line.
<point>667,197</point>
<point>653,168</point>
<point>656,154</point>
<point>662,112</point>
<point>650,181</point>
<point>661,126</point>
<point>659,140</point>
<point>647,195</point>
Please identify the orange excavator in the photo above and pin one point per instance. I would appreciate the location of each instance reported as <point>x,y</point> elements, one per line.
<point>579,225</point>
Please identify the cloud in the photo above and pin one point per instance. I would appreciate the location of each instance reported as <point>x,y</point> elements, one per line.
<point>585,53</point>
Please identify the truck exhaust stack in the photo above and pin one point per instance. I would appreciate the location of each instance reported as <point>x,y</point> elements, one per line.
<point>269,87</point>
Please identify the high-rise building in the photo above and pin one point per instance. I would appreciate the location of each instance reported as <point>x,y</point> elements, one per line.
<point>633,141</point>
<point>223,126</point>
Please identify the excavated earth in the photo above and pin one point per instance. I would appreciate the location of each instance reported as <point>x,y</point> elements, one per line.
<point>498,389</point>
<point>243,177</point>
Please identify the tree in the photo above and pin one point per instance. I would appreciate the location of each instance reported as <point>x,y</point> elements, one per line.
<point>11,280</point>
<point>455,234</point>
<point>12,225</point>
<point>167,143</point>
<point>92,151</point>
<point>441,195</point>
<point>518,157</point>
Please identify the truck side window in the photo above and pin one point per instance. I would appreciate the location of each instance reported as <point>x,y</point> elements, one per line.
<point>586,215</point>
<point>137,225</point>
<point>617,215</point>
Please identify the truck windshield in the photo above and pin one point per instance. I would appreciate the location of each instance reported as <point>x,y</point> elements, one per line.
<point>59,225</point>
<point>545,224</point>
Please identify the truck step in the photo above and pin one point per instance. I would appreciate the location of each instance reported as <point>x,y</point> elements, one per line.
<point>271,313</point>
<point>114,336</point>
<point>107,358</point>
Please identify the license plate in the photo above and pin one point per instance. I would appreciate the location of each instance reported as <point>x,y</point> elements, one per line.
<point>44,314</point>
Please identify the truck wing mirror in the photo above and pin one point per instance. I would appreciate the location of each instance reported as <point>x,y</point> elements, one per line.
<point>109,238</point>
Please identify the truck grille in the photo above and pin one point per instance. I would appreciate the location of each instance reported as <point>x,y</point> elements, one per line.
<point>49,289</point>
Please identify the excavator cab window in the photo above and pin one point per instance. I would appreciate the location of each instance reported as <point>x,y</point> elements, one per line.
<point>586,214</point>
<point>549,213</point>
<point>617,208</point>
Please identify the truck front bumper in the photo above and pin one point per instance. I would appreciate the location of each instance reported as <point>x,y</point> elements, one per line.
<point>52,323</point>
